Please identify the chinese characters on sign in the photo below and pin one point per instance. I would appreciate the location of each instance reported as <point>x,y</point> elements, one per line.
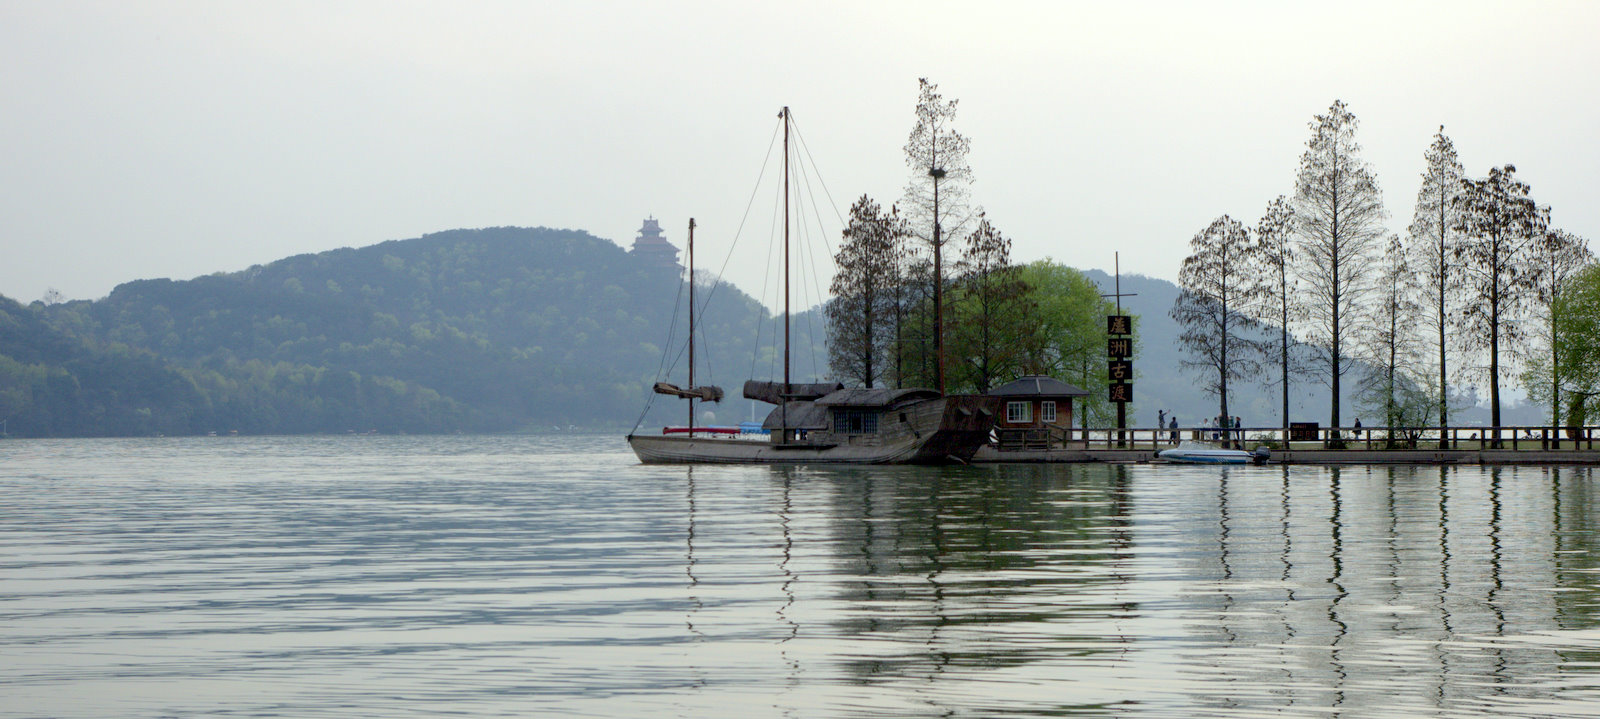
<point>1119,347</point>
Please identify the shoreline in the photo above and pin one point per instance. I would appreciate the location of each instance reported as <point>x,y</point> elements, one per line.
<point>1488,457</point>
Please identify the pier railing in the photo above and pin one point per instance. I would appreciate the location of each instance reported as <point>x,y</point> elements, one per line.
<point>1517,437</point>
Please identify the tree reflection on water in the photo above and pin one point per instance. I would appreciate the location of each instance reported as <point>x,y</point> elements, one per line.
<point>1147,587</point>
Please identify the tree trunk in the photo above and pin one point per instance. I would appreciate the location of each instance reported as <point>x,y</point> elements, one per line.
<point>1335,293</point>
<point>1555,369</point>
<point>1494,344</point>
<point>1333,420</point>
<point>938,274</point>
<point>1284,350</point>
<point>866,359</point>
<point>1224,365</point>
<point>1444,389</point>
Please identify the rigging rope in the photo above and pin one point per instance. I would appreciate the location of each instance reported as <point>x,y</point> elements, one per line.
<point>804,186</point>
<point>809,181</point>
<point>662,368</point>
<point>774,232</point>
<point>747,205</point>
<point>814,205</point>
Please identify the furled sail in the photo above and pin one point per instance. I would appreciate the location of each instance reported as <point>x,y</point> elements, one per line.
<point>773,392</point>
<point>710,393</point>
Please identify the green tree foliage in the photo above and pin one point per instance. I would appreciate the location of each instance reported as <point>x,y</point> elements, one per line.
<point>1219,282</point>
<point>861,315</point>
<point>1050,321</point>
<point>990,313</point>
<point>1065,334</point>
<point>1559,256</point>
<point>1577,316</point>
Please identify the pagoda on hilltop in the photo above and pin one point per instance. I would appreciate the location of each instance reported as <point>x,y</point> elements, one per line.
<point>654,249</point>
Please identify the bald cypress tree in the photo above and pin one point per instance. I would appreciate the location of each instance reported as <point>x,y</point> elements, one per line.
<point>861,315</point>
<point>990,312</point>
<point>1217,284</point>
<point>1278,297</point>
<point>1432,238</point>
<point>936,196</point>
<point>1500,226</point>
<point>1338,215</point>
<point>1389,345</point>
<point>1558,256</point>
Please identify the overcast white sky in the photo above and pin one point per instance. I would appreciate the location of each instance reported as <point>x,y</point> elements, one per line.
<point>174,139</point>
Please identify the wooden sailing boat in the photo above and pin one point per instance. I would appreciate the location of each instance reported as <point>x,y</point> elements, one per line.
<point>823,423</point>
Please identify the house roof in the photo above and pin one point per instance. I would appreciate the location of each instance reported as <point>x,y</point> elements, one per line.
<point>1037,386</point>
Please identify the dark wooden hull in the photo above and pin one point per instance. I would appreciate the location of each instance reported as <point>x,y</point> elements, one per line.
<point>947,430</point>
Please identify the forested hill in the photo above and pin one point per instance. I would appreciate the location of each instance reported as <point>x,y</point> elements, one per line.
<point>53,384</point>
<point>500,329</point>
<point>491,330</point>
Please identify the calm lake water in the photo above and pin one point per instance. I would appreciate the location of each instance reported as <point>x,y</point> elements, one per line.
<point>555,576</point>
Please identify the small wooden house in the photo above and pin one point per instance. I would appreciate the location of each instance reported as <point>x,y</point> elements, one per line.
<point>1037,412</point>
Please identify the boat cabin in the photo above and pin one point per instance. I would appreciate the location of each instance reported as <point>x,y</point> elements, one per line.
<point>1036,413</point>
<point>864,417</point>
<point>856,414</point>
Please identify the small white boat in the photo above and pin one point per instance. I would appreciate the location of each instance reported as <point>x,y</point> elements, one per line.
<point>1204,453</point>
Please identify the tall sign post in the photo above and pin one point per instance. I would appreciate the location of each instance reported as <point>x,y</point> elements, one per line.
<point>1119,355</point>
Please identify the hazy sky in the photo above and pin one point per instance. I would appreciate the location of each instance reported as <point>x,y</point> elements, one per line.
<point>173,139</point>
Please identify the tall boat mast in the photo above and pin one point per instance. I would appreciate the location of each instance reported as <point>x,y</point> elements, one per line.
<point>786,248</point>
<point>784,413</point>
<point>691,324</point>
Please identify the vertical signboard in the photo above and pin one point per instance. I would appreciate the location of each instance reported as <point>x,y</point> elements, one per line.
<point>1119,351</point>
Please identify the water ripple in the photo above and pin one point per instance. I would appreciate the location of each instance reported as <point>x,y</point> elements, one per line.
<point>510,576</point>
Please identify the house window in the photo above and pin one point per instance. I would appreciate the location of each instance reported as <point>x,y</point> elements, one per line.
<point>1019,412</point>
<point>1047,412</point>
<point>855,421</point>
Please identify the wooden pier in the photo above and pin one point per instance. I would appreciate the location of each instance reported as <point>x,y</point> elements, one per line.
<point>989,455</point>
<point>1345,445</point>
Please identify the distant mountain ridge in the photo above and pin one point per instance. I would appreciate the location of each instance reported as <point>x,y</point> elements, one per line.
<point>483,330</point>
<point>497,329</point>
